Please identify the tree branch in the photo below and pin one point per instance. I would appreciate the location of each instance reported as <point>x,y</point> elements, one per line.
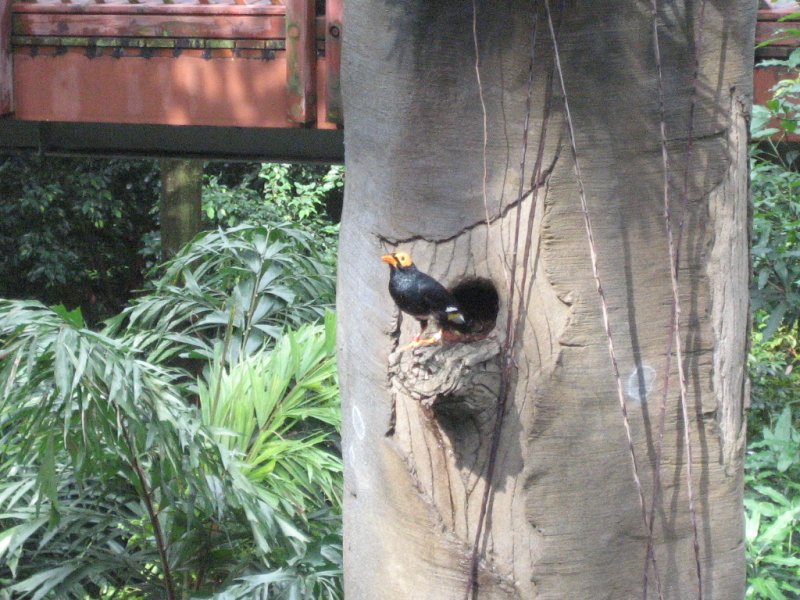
<point>169,584</point>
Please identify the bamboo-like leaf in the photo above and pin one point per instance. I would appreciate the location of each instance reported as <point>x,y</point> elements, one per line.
<point>12,539</point>
<point>265,397</point>
<point>43,582</point>
<point>95,425</point>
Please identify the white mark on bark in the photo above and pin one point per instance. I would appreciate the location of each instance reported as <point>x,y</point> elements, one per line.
<point>640,383</point>
<point>358,423</point>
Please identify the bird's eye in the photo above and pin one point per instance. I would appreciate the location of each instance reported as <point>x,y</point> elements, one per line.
<point>403,259</point>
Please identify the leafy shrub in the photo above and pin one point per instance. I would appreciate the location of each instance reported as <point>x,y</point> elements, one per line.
<point>250,281</point>
<point>151,460</point>
<point>283,409</point>
<point>772,467</point>
<point>82,232</point>
<point>301,194</point>
<point>70,229</point>
<point>776,239</point>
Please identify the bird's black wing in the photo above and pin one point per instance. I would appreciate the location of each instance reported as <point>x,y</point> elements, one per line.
<point>443,306</point>
<point>434,293</point>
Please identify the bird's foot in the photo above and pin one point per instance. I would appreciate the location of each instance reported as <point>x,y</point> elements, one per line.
<point>419,342</point>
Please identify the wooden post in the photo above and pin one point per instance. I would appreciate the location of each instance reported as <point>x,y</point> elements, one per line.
<point>180,209</point>
<point>6,65</point>
<point>301,60</point>
<point>334,11</point>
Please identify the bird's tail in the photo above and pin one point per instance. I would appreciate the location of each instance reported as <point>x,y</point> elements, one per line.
<point>454,315</point>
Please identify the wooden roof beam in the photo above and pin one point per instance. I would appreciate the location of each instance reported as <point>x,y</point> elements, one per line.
<point>6,65</point>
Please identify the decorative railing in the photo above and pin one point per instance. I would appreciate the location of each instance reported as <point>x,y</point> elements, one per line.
<point>249,63</point>
<point>275,64</point>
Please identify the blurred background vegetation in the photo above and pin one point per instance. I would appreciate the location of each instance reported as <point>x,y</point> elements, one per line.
<point>168,430</point>
<point>772,468</point>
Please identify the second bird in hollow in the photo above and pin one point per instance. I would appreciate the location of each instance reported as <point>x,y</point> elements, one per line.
<point>421,296</point>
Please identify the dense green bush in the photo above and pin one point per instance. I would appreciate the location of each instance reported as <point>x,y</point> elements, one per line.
<point>305,194</point>
<point>772,468</point>
<point>71,229</point>
<point>150,460</point>
<point>776,235</point>
<point>190,446</point>
<point>83,232</point>
<point>244,284</point>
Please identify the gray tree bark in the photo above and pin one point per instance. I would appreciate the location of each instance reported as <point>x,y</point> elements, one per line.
<point>564,519</point>
<point>180,209</point>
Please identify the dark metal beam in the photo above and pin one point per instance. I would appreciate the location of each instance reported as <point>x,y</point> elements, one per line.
<point>202,142</point>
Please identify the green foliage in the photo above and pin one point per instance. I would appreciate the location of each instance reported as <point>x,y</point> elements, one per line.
<point>150,453</point>
<point>70,228</point>
<point>772,470</point>
<point>83,231</point>
<point>282,409</point>
<point>277,192</point>
<point>275,403</point>
<point>772,467</point>
<point>780,113</point>
<point>250,281</point>
<point>775,183</point>
<point>776,238</point>
<point>82,416</point>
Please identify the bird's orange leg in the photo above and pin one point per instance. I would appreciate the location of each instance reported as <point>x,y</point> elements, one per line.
<point>423,325</point>
<point>419,341</point>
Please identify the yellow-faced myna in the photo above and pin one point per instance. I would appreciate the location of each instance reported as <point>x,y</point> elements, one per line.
<point>421,296</point>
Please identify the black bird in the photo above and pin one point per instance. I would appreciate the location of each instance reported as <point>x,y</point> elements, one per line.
<point>421,296</point>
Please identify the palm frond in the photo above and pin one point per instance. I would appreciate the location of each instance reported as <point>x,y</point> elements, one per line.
<point>278,411</point>
<point>78,407</point>
<point>245,284</point>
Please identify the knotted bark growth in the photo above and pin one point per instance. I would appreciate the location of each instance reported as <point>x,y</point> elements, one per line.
<point>451,379</point>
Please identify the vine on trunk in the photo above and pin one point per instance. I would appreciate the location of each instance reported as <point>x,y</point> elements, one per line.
<point>513,320</point>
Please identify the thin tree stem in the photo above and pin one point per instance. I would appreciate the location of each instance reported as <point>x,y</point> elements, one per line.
<point>508,347</point>
<point>674,267</point>
<point>147,493</point>
<point>596,270</point>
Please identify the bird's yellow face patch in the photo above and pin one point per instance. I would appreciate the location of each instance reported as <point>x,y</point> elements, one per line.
<point>398,259</point>
<point>403,259</point>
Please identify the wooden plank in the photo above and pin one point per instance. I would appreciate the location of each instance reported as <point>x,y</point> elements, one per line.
<point>150,9</point>
<point>149,48</point>
<point>334,14</point>
<point>6,65</point>
<point>226,27</point>
<point>291,144</point>
<point>190,90</point>
<point>20,41</point>
<point>301,60</point>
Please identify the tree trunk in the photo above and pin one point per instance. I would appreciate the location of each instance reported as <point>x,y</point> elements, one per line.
<point>181,203</point>
<point>564,518</point>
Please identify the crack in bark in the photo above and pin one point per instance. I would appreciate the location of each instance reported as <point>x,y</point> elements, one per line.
<point>722,134</point>
<point>395,335</point>
<point>501,215</point>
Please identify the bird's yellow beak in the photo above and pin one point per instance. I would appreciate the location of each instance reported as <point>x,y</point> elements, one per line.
<point>389,259</point>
